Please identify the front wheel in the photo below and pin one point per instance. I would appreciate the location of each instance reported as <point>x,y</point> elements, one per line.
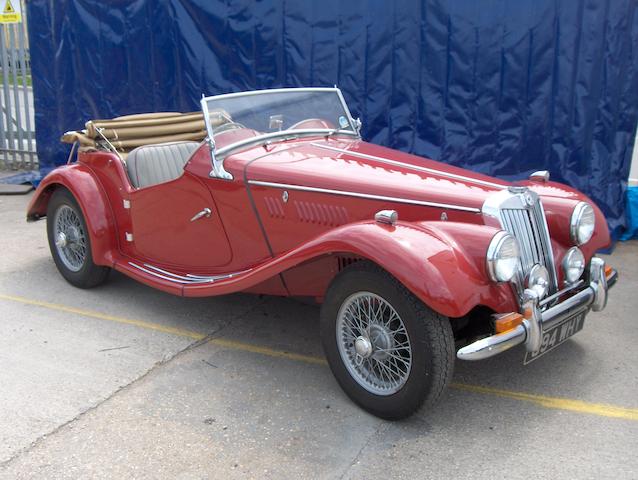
<point>389,352</point>
<point>70,243</point>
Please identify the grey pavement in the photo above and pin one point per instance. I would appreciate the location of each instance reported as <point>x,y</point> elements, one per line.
<point>90,397</point>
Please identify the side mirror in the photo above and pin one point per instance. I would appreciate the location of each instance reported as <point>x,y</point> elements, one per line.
<point>358,125</point>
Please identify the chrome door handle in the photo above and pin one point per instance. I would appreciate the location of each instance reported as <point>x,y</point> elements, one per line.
<point>204,213</point>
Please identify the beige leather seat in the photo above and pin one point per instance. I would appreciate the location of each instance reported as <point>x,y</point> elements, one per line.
<point>153,164</point>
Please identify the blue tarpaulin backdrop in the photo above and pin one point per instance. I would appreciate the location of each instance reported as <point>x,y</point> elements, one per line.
<point>497,86</point>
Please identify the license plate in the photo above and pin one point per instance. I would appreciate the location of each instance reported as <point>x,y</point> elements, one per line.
<point>556,335</point>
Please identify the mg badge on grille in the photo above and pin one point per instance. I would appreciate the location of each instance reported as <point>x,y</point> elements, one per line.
<point>529,200</point>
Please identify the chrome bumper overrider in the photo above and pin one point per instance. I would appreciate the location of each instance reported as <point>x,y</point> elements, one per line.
<point>530,332</point>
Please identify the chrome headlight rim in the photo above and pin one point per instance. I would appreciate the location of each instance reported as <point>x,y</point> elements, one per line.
<point>581,210</point>
<point>501,240</point>
<point>569,264</point>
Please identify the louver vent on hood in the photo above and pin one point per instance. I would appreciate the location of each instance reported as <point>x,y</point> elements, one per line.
<point>321,214</point>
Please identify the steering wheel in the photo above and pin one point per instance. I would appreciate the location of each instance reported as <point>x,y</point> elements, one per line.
<point>227,126</point>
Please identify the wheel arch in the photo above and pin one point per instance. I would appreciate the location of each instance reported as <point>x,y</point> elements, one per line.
<point>87,191</point>
<point>441,263</point>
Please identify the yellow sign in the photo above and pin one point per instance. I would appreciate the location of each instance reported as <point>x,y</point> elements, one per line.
<point>12,12</point>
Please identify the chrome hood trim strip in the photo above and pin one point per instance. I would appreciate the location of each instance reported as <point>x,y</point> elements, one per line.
<point>365,195</point>
<point>417,168</point>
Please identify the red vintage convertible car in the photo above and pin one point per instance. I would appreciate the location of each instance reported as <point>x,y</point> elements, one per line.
<point>274,192</point>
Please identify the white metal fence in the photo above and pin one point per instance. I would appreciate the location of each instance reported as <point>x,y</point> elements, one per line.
<point>17,125</point>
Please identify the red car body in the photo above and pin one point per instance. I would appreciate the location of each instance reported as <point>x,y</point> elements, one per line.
<point>409,256</point>
<point>295,247</point>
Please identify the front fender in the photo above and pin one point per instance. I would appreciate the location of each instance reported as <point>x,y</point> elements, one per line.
<point>442,263</point>
<point>86,188</point>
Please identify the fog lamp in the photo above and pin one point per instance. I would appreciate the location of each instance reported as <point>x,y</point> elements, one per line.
<point>538,280</point>
<point>573,264</point>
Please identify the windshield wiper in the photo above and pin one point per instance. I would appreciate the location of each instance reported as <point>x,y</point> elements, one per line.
<point>336,131</point>
<point>283,138</point>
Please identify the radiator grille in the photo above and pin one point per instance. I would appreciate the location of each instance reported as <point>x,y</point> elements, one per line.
<point>529,227</point>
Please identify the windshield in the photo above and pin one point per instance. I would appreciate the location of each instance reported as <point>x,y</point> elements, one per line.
<point>249,117</point>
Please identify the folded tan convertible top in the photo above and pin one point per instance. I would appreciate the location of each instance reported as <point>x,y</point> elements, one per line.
<point>130,131</point>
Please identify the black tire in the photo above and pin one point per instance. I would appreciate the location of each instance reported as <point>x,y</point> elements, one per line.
<point>430,337</point>
<point>88,275</point>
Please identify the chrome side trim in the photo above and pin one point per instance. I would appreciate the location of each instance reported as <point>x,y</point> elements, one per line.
<point>175,275</point>
<point>158,275</point>
<point>218,277</point>
<point>364,195</point>
<point>408,166</point>
<point>187,279</point>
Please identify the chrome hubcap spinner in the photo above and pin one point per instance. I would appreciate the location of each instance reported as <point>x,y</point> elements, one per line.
<point>373,343</point>
<point>70,240</point>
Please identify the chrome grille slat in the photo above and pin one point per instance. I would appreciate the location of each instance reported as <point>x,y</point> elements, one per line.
<point>545,241</point>
<point>533,233</point>
<point>530,231</point>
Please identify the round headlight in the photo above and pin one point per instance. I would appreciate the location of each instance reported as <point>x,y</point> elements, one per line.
<point>538,280</point>
<point>582,223</point>
<point>502,257</point>
<point>573,264</point>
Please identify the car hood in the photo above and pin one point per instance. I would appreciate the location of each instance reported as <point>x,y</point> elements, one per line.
<point>367,169</point>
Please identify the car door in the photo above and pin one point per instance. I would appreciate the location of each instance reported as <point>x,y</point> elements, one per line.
<point>177,224</point>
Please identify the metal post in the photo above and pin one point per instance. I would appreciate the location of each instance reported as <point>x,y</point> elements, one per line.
<point>16,96</point>
<point>25,92</point>
<point>7,98</point>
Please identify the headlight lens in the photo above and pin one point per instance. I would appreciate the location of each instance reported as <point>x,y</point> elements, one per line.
<point>502,257</point>
<point>582,223</point>
<point>573,264</point>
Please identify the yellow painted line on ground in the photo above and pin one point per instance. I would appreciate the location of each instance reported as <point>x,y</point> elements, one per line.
<point>579,406</point>
<point>100,316</point>
<point>556,403</point>
<point>246,347</point>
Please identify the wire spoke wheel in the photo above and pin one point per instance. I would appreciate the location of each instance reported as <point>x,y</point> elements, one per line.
<point>70,238</point>
<point>373,343</point>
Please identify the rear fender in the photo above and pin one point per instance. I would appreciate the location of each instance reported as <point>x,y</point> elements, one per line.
<point>88,192</point>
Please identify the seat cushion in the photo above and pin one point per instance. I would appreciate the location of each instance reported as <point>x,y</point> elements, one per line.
<point>153,164</point>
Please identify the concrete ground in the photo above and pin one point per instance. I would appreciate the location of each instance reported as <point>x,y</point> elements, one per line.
<point>123,381</point>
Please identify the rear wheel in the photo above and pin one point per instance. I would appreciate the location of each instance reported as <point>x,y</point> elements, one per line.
<point>70,243</point>
<point>389,352</point>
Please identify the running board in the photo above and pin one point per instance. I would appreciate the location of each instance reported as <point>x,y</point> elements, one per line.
<point>187,279</point>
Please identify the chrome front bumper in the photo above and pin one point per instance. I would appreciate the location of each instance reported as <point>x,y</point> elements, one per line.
<point>530,332</point>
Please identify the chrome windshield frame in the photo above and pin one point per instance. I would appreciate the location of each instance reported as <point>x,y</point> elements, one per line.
<point>217,156</point>
<point>282,136</point>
